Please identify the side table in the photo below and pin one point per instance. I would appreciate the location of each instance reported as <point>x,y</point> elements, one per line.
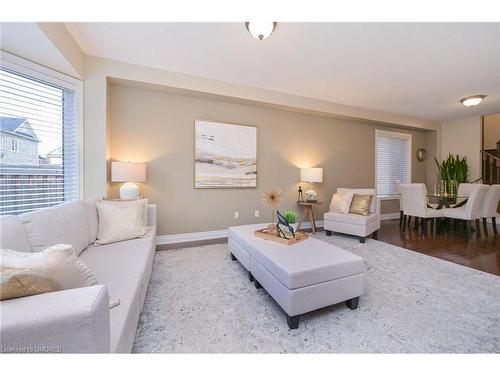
<point>307,211</point>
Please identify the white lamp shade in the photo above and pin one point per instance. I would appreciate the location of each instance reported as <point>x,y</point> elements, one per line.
<point>311,174</point>
<point>127,171</point>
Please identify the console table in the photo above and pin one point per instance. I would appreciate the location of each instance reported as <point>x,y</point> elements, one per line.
<point>307,211</point>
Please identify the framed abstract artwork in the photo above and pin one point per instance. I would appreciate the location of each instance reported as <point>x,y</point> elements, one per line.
<point>225,155</point>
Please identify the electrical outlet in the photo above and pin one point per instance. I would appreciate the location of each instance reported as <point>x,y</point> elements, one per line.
<point>236,214</point>
<point>256,213</point>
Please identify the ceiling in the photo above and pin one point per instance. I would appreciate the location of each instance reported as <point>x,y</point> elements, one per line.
<point>412,68</point>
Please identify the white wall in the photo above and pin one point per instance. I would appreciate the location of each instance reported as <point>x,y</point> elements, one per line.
<point>463,137</point>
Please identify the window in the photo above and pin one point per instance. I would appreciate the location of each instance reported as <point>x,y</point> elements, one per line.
<point>392,161</point>
<point>39,113</point>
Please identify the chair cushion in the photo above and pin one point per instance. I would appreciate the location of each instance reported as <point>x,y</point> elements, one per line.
<point>64,223</point>
<point>306,263</point>
<point>13,236</point>
<point>351,218</point>
<point>455,213</point>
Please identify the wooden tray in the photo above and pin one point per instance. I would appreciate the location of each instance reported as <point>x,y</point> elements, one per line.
<point>299,237</point>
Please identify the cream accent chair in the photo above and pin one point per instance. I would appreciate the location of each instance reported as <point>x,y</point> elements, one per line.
<point>472,210</point>
<point>354,224</point>
<point>490,205</point>
<point>414,197</point>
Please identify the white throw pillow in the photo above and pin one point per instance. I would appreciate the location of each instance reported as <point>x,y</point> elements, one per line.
<point>59,262</point>
<point>341,202</point>
<point>120,221</point>
<point>145,201</point>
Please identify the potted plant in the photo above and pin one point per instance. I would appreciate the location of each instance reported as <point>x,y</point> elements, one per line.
<point>452,172</point>
<point>291,217</point>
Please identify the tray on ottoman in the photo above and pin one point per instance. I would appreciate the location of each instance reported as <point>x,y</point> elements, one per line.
<point>264,234</point>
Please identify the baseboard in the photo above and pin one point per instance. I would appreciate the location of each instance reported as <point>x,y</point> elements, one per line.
<point>391,216</point>
<point>208,235</point>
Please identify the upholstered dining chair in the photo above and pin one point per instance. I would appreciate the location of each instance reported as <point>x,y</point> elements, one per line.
<point>490,205</point>
<point>415,204</point>
<point>471,211</point>
<point>463,192</point>
<point>401,208</point>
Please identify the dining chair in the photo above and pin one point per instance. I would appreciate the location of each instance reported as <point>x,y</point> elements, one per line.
<point>415,204</point>
<point>490,206</point>
<point>471,211</point>
<point>463,192</point>
<point>401,209</point>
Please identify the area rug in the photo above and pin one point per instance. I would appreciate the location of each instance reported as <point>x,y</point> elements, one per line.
<point>199,301</point>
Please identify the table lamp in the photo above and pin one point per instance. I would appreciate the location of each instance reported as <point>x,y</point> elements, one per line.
<point>128,172</point>
<point>310,175</point>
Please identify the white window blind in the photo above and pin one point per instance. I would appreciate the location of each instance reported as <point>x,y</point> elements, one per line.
<point>393,161</point>
<point>40,118</point>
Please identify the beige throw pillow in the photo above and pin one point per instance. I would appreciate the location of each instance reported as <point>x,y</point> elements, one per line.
<point>22,282</point>
<point>120,221</point>
<point>52,269</point>
<point>144,201</point>
<point>58,262</point>
<point>341,202</point>
<point>361,204</point>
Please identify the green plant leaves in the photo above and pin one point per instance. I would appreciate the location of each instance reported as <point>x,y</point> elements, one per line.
<point>453,171</point>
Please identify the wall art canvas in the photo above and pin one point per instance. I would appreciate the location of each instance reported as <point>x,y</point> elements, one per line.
<point>225,155</point>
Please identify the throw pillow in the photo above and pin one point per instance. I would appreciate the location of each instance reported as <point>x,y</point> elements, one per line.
<point>361,204</point>
<point>120,221</point>
<point>55,268</point>
<point>341,202</point>
<point>145,201</point>
<point>22,282</point>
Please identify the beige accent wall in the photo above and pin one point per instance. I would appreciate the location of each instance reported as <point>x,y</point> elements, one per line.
<point>491,131</point>
<point>158,128</point>
<point>463,137</point>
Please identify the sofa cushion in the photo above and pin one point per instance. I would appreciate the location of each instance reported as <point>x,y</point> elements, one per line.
<point>13,236</point>
<point>64,223</point>
<point>119,258</point>
<point>351,218</point>
<point>92,218</point>
<point>306,263</point>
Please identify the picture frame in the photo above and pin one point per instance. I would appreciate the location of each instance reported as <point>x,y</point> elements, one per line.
<point>225,155</point>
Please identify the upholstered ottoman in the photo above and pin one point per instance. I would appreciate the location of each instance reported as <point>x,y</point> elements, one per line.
<point>301,278</point>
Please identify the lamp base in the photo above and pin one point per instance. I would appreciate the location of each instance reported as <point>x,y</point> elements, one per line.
<point>129,190</point>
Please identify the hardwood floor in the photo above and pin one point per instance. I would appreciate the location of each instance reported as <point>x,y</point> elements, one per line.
<point>482,254</point>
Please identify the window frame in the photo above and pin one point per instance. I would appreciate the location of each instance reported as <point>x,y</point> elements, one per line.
<point>393,134</point>
<point>50,76</point>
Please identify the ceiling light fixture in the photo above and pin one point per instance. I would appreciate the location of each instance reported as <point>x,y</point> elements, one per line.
<point>260,30</point>
<point>473,100</point>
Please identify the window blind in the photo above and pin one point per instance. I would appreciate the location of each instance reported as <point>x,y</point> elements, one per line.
<point>40,118</point>
<point>393,161</point>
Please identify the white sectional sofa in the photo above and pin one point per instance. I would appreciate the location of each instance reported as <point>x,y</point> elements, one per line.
<point>77,320</point>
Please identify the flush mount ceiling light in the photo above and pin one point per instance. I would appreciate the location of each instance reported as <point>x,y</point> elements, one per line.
<point>260,30</point>
<point>471,101</point>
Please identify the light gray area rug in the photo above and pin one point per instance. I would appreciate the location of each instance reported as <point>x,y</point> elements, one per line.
<point>199,301</point>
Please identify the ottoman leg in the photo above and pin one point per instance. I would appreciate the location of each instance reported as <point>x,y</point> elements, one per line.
<point>257,284</point>
<point>362,239</point>
<point>250,276</point>
<point>352,303</point>
<point>328,232</point>
<point>293,321</point>
<point>232,257</point>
